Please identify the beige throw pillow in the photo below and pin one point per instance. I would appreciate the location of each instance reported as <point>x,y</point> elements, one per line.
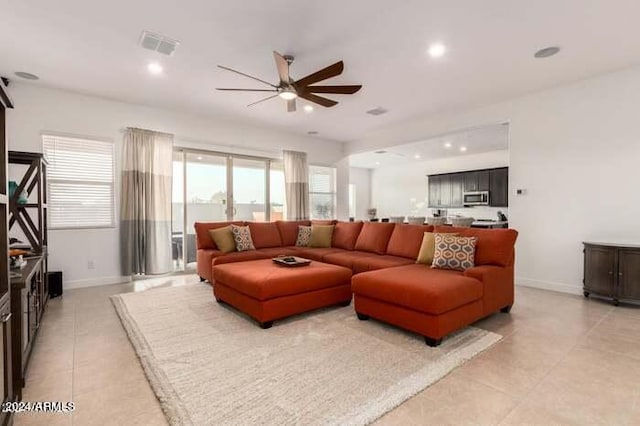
<point>321,236</point>
<point>223,237</point>
<point>428,248</point>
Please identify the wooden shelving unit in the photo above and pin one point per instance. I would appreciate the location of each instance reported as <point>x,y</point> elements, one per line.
<point>29,292</point>
<point>7,389</point>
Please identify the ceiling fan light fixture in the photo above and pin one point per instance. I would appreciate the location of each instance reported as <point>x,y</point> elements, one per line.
<point>288,94</point>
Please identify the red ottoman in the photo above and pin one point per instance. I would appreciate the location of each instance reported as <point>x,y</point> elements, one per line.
<point>266,291</point>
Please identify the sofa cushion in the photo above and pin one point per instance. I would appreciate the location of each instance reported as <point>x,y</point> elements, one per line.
<point>223,238</point>
<point>289,230</point>
<point>347,258</point>
<point>374,237</point>
<point>345,234</point>
<point>324,222</point>
<point>321,236</point>
<point>405,240</point>
<point>494,246</point>
<point>373,262</point>
<point>242,236</point>
<point>240,256</point>
<point>265,234</point>
<point>203,239</point>
<point>278,251</point>
<point>418,287</point>
<point>317,254</point>
<point>427,248</point>
<point>454,252</point>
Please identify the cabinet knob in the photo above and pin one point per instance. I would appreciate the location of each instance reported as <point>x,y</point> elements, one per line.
<point>619,274</point>
<point>610,272</point>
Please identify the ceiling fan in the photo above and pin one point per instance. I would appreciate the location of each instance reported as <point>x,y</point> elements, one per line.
<point>289,89</point>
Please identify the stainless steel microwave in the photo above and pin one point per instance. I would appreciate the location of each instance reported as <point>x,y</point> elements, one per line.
<point>476,198</point>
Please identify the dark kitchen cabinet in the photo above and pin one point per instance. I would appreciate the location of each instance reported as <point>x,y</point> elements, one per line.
<point>477,180</point>
<point>447,190</point>
<point>434,191</point>
<point>612,271</point>
<point>457,189</point>
<point>499,187</point>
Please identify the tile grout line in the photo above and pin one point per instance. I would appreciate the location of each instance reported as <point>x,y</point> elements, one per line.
<point>553,367</point>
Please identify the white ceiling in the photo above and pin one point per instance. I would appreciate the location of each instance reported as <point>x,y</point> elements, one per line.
<point>476,141</point>
<point>91,47</point>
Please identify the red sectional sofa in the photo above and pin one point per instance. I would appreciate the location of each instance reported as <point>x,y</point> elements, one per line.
<point>387,284</point>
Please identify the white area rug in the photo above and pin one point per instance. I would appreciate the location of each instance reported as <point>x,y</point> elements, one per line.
<point>211,365</point>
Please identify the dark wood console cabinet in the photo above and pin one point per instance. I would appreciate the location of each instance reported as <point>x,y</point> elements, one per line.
<point>612,271</point>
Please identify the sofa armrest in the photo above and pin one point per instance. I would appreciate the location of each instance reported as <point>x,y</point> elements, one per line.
<point>497,285</point>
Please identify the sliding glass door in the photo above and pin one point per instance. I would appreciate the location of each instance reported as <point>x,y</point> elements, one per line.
<point>213,187</point>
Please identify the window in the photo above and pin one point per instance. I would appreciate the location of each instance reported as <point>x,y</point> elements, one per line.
<point>79,182</point>
<point>322,192</point>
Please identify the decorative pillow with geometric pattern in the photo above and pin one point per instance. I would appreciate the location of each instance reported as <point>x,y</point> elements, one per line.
<point>453,252</point>
<point>304,236</point>
<point>242,237</point>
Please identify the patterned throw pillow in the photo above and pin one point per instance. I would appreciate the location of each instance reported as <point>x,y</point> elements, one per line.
<point>242,236</point>
<point>454,252</point>
<point>304,235</point>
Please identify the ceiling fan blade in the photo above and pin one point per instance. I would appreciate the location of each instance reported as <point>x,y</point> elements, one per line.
<point>246,75</point>
<point>283,67</point>
<point>318,99</point>
<point>291,105</point>
<point>343,90</point>
<point>246,90</point>
<point>262,100</point>
<point>323,74</point>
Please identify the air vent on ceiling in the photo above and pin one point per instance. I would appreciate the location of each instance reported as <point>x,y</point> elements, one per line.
<point>158,43</point>
<point>377,111</point>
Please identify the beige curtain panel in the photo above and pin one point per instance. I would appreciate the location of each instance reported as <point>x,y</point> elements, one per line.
<point>145,216</point>
<point>296,181</point>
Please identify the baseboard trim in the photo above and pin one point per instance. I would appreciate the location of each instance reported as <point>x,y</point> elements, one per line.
<point>95,282</point>
<point>548,285</point>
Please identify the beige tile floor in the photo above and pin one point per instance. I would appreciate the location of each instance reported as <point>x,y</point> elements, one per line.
<point>563,360</point>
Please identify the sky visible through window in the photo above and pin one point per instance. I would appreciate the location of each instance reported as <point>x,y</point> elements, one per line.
<point>207,183</point>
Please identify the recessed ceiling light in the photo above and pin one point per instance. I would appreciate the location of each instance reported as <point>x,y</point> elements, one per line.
<point>437,50</point>
<point>463,148</point>
<point>312,132</point>
<point>377,163</point>
<point>308,108</point>
<point>546,52</point>
<point>27,75</point>
<point>199,158</point>
<point>417,156</point>
<point>447,144</point>
<point>155,68</point>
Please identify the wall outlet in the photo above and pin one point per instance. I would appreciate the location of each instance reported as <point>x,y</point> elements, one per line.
<point>91,265</point>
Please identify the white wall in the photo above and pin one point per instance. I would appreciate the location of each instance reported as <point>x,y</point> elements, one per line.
<point>361,178</point>
<point>45,110</point>
<point>575,149</point>
<point>402,190</point>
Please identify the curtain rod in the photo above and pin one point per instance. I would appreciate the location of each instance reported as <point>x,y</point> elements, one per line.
<point>147,130</point>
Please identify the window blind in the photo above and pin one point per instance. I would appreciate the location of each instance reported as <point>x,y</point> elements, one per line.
<point>80,182</point>
<point>322,192</point>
